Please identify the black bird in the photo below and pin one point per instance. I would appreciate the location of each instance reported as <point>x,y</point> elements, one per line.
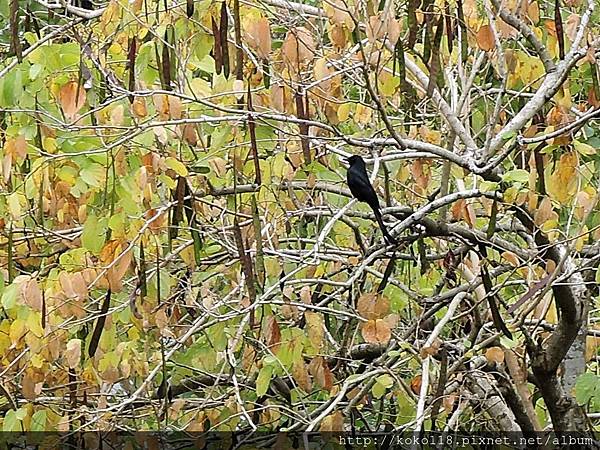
<point>360,186</point>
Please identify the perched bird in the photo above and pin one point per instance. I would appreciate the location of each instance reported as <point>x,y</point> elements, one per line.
<point>360,186</point>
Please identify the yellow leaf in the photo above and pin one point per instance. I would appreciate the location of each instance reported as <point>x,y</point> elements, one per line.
<point>138,107</point>
<point>343,112</point>
<point>562,183</point>
<point>177,166</point>
<point>363,114</point>
<point>388,84</point>
<point>49,144</point>
<point>14,205</point>
<point>584,149</point>
<point>333,423</point>
<point>18,329</point>
<point>315,329</point>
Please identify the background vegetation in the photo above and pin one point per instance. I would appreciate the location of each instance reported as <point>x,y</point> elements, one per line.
<point>179,248</point>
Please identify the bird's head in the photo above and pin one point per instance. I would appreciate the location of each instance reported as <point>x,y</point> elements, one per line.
<point>355,159</point>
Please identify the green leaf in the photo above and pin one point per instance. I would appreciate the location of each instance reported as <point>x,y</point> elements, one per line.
<point>263,380</point>
<point>38,420</point>
<point>518,175</point>
<point>11,422</point>
<point>586,387</point>
<point>584,149</point>
<point>378,390</point>
<point>21,413</point>
<point>386,380</point>
<point>93,234</point>
<point>383,383</point>
<point>9,296</point>
<point>93,175</point>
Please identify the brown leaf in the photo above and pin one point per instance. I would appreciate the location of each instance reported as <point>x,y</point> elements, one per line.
<point>16,148</point>
<point>432,350</point>
<point>272,334</point>
<point>337,13</point>
<point>71,98</point>
<point>189,134</point>
<point>533,12</point>
<point>321,373</point>
<point>315,329</point>
<point>421,172</point>
<point>448,402</point>
<point>572,25</point>
<point>333,422</point>
<point>512,259</point>
<point>591,345</point>
<point>258,36</point>
<point>298,48</point>
<point>30,385</point>
<point>415,384</point>
<point>138,108</point>
<point>373,306</point>
<point>79,285</point>
<point>376,332</point>
<point>32,295</point>
<point>305,295</point>
<point>111,255</point>
<point>544,212</point>
<point>495,354</point>
<point>301,375</point>
<point>485,38</point>
<point>73,353</point>
<point>161,319</point>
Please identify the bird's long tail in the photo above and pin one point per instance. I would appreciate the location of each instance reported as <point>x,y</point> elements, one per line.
<point>386,234</point>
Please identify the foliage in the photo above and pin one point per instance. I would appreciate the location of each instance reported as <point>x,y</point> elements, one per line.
<point>178,246</point>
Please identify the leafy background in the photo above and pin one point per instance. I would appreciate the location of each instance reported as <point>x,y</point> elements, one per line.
<point>178,247</point>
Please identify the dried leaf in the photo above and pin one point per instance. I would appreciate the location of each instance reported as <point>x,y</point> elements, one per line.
<point>301,375</point>
<point>495,354</point>
<point>373,306</point>
<point>333,422</point>
<point>272,334</point>
<point>376,331</point>
<point>73,353</point>
<point>544,212</point>
<point>511,258</point>
<point>485,38</point>
<point>298,48</point>
<point>258,36</point>
<point>415,384</point>
<point>432,350</point>
<point>71,98</point>
<point>321,373</point>
<point>315,329</point>
<point>32,295</point>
